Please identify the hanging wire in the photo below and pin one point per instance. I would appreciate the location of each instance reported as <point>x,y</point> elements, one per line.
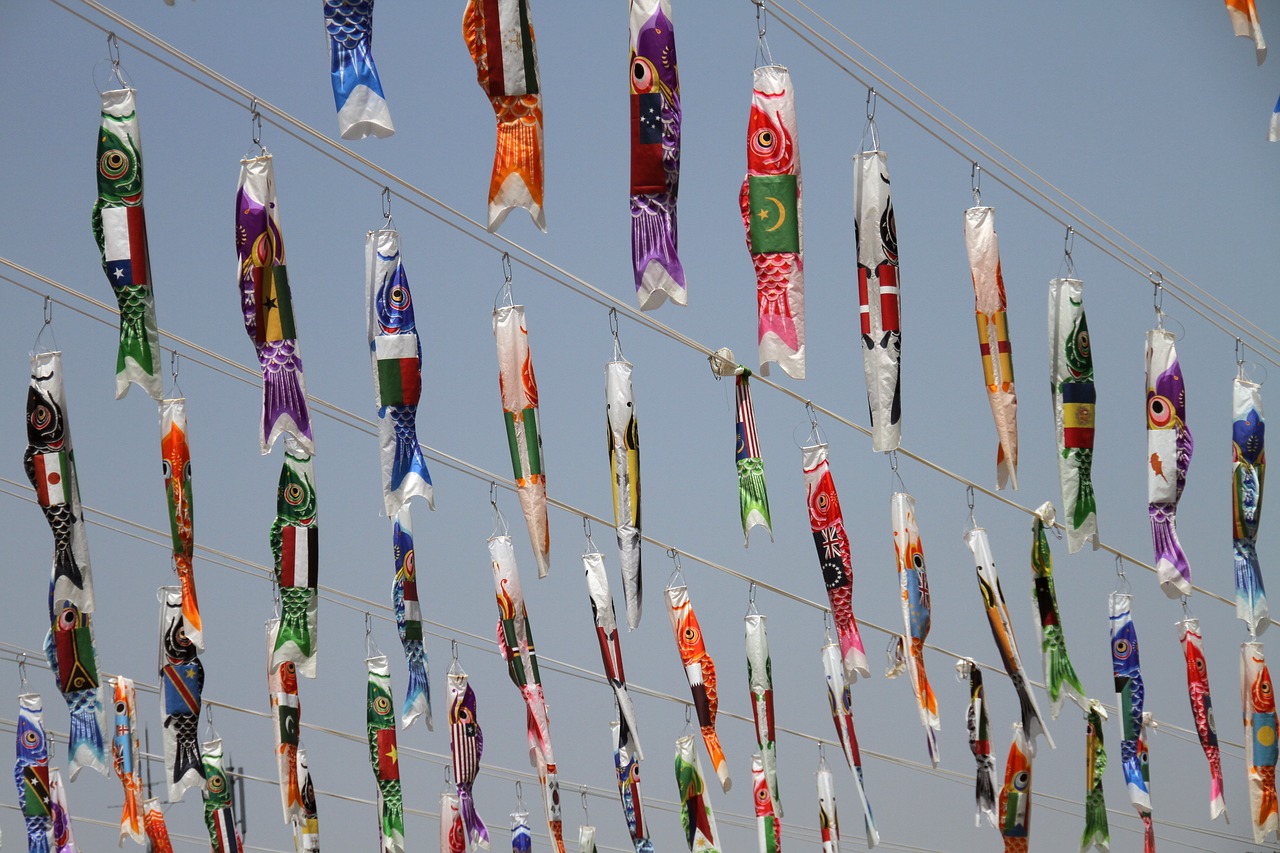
<point>504,298</point>
<point>613,330</point>
<point>47,314</point>
<point>1157,297</point>
<point>113,56</point>
<point>174,362</point>
<point>975,183</point>
<point>763,56</point>
<point>968,499</point>
<point>1068,243</point>
<point>677,576</point>
<point>1122,582</point>
<point>389,224</point>
<point>500,527</point>
<point>869,130</point>
<point>751,600</point>
<point>893,467</point>
<point>586,529</point>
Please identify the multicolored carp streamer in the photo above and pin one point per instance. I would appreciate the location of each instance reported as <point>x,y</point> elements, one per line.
<point>219,815</point>
<point>384,756</point>
<point>1202,709</point>
<point>1248,474</point>
<point>586,839</point>
<point>404,597</point>
<point>834,557</point>
<point>753,494</point>
<point>1258,697</point>
<point>521,837</point>
<point>64,840</point>
<point>1059,675</point>
<point>1096,831</point>
<point>1130,695</point>
<point>993,340</point>
<point>120,227</point>
<point>69,647</point>
<point>397,371</point>
<point>1002,631</point>
<point>31,773</point>
<point>655,155</point>
<point>1015,796</point>
<point>624,470</point>
<point>286,714</point>
<point>760,680</point>
<point>828,820</point>
<point>453,837</point>
<point>267,303</point>
<point>127,757</point>
<point>1244,23</point>
<point>700,672</point>
<point>181,682</point>
<point>467,746</point>
<point>773,216</point>
<point>519,390</point>
<point>357,90</point>
<point>840,699</point>
<point>913,583</point>
<point>175,454</point>
<point>499,35</point>
<point>157,830</point>
<point>627,765</point>
<point>768,827</point>
<point>1071,384</point>
<point>878,297</point>
<point>980,744</point>
<point>1170,445</point>
<point>306,830</point>
<point>606,622</point>
<point>295,546</point>
<point>696,816</point>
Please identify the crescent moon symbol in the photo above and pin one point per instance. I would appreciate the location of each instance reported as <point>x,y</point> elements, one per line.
<point>782,213</point>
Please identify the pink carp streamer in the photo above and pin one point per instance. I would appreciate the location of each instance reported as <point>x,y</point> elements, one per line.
<point>1202,710</point>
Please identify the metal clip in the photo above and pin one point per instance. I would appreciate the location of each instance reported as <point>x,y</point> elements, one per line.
<point>870,130</point>
<point>520,806</point>
<point>1068,243</point>
<point>504,296</point>
<point>677,576</point>
<point>826,625</point>
<point>256,121</point>
<point>751,600</point>
<point>893,466</point>
<point>586,818</point>
<point>22,672</point>
<point>1157,296</point>
<point>586,529</point>
<point>389,223</point>
<point>613,330</point>
<point>968,498</point>
<point>499,520</point>
<point>370,647</point>
<point>762,43</point>
<point>1122,582</point>
<point>975,183</point>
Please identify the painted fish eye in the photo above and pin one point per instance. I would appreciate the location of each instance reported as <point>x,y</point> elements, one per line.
<point>822,501</point>
<point>167,468</point>
<point>122,708</point>
<point>287,668</point>
<point>1265,688</point>
<point>1121,648</point>
<point>381,705</point>
<point>399,297</point>
<point>31,739</point>
<point>294,494</point>
<point>762,795</point>
<point>917,560</point>
<point>114,164</point>
<point>690,634</point>
<point>217,783</point>
<point>1200,665</point>
<point>1159,412</point>
<point>67,618</point>
<point>764,140</point>
<point>642,76</point>
<point>41,417</point>
<point>410,564</point>
<point>1082,342</point>
<point>1021,780</point>
<point>186,470</point>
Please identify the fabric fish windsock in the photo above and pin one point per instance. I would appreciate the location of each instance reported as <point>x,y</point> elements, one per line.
<point>1059,675</point>
<point>408,610</point>
<point>993,339</point>
<point>384,756</point>
<point>772,214</point>
<point>840,699</point>
<point>519,391</point>
<point>31,773</point>
<point>753,495</point>
<point>286,715</point>
<point>267,303</point>
<point>499,36</point>
<point>306,830</point>
<point>1248,473</point>
<point>1258,698</point>
<point>1096,831</point>
<point>1074,398</point>
<point>606,622</point>
<point>834,557</point>
<point>768,827</point>
<point>50,464</point>
<point>453,837</point>
<point>521,836</point>
<point>760,680</point>
<point>624,471</point>
<point>120,228</point>
<point>1244,23</point>
<point>979,725</point>
<point>397,371</point>
<point>157,829</point>
<point>1002,632</point>
<point>175,453</point>
<point>181,682</point>
<point>878,297</point>
<point>467,746</point>
<point>357,89</point>
<point>627,765</point>
<point>64,840</point>
<point>1015,795</point>
<point>828,820</point>
<point>586,839</point>
<point>550,785</point>
<point>1273,132</point>
<point>1202,709</point>
<point>69,648</point>
<point>913,583</point>
<point>1170,446</point>
<point>127,757</point>
<point>219,816</point>
<point>1130,696</point>
<point>295,546</point>
<point>700,672</point>
<point>695,805</point>
<point>655,155</point>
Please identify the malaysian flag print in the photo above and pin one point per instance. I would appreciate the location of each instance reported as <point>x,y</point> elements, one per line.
<point>748,444</point>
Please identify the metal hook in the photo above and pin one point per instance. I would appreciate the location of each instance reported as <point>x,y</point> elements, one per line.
<point>455,668</point>
<point>586,818</point>
<point>256,121</point>
<point>1122,582</point>
<point>968,498</point>
<point>386,205</point>
<point>762,26</point>
<point>826,624</point>
<point>872,100</point>
<point>893,467</point>
<point>113,49</point>
<point>453,650</point>
<point>22,671</point>
<point>506,267</point>
<point>613,330</point>
<point>499,520</point>
<point>822,752</point>
<point>47,313</point>
<point>520,796</point>
<point>1157,297</point>
<point>1068,243</point>
<point>975,183</point>
<point>586,529</point>
<point>370,645</point>
<point>1186,613</point>
<point>676,573</point>
<point>751,600</point>
<point>493,493</point>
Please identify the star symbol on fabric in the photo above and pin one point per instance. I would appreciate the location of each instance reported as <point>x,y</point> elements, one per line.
<point>119,273</point>
<point>763,213</point>
<point>269,303</point>
<point>393,754</point>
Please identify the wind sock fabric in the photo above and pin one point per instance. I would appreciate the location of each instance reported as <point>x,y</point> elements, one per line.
<point>1248,474</point>
<point>295,546</point>
<point>120,229</point>
<point>879,305</point>
<point>453,837</point>
<point>768,828</point>
<point>1273,133</point>
<point>127,758</point>
<point>408,611</point>
<point>606,622</point>
<point>993,339</point>
<point>357,89</point>
<point>1097,833</point>
<point>521,837</point>
<point>828,819</point>
<point>175,452</point>
<point>1060,676</point>
<point>1244,23</point>
<point>467,746</point>
<point>64,840</point>
<point>834,557</point>
<point>655,155</point>
<point>1170,446</point>
<point>586,839</point>
<point>627,766</point>
<point>1258,697</point>
<point>267,302</point>
<point>306,830</point>
<point>157,830</point>
<point>1002,632</point>
<point>1074,399</point>
<point>31,773</point>
<point>700,672</point>
<point>384,756</point>
<point>519,389</point>
<point>219,816</point>
<point>913,584</point>
<point>1015,795</point>
<point>69,648</point>
<point>753,494</point>
<point>499,36</point>
<point>760,680</point>
<point>772,214</point>
<point>840,700</point>
<point>181,682</point>
<point>695,805</point>
<point>286,716</point>
<point>979,726</point>
<point>1130,696</point>
<point>1202,709</point>
<point>624,470</point>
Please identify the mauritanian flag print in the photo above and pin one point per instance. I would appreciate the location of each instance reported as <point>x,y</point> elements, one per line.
<point>300,557</point>
<point>51,477</point>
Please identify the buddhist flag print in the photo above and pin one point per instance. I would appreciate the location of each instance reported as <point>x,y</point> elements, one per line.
<point>51,477</point>
<point>399,371</point>
<point>124,247</point>
<point>300,556</point>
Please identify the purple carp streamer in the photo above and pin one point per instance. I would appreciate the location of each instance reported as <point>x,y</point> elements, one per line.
<point>286,714</point>
<point>1015,796</point>
<point>1258,698</point>
<point>219,816</point>
<point>768,827</point>
<point>1248,473</point>
<point>120,229</point>
<point>357,89</point>
<point>1096,831</point>
<point>993,340</point>
<point>384,756</point>
<point>1059,674</point>
<point>627,766</point>
<point>127,758</point>
<point>176,456</point>
<point>306,830</point>
<point>828,820</point>
<point>267,303</point>
<point>295,547</point>
<point>64,840</point>
<point>1170,446</point>
<point>606,622</point>
<point>700,672</point>
<point>876,233</point>
<point>1074,397</point>
<point>979,726</point>
<point>519,390</point>
<point>408,611</point>
<point>467,746</point>
<point>840,700</point>
<point>695,806</point>
<point>1130,696</point>
<point>31,774</point>
<point>181,683</point>
<point>760,680</point>
<point>772,214</point>
<point>913,584</point>
<point>624,468</point>
<point>1202,710</point>
<point>655,155</point>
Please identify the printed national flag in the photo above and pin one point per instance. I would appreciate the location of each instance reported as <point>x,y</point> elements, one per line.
<point>388,756</point>
<point>124,245</point>
<point>288,713</point>
<point>508,39</point>
<point>51,477</point>
<point>300,556</point>
<point>35,790</point>
<point>274,304</point>
<point>775,227</point>
<point>748,444</point>
<point>399,370</point>
<point>77,666</point>
<point>647,173</point>
<point>224,831</point>
<point>1077,414</point>
<point>182,688</point>
<point>466,761</point>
